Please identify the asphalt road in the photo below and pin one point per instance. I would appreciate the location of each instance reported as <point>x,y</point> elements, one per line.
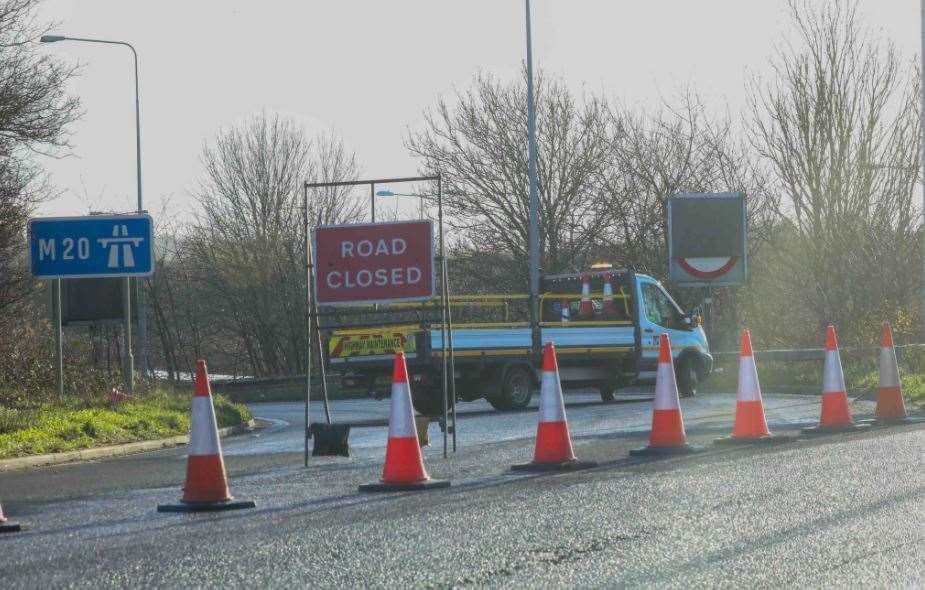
<point>843,510</point>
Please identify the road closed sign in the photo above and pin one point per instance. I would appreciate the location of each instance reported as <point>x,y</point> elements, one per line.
<point>374,262</point>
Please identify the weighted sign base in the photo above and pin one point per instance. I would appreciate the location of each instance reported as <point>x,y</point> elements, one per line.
<point>206,506</point>
<point>10,527</point>
<point>887,422</point>
<point>427,484</point>
<point>550,467</point>
<point>666,451</point>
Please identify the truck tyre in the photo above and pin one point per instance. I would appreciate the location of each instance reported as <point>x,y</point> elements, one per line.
<point>608,389</point>
<point>687,377</point>
<point>516,389</point>
<point>428,401</point>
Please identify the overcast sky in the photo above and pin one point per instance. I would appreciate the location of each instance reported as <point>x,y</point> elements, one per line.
<point>368,68</point>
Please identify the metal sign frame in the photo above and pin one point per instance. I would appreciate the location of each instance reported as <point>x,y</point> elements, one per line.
<point>719,282</point>
<point>433,266</point>
<point>446,319</point>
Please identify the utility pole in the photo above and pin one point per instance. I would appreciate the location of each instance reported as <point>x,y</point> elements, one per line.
<point>922,147</point>
<point>533,232</point>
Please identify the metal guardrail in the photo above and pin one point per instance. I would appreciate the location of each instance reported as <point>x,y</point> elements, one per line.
<point>809,354</point>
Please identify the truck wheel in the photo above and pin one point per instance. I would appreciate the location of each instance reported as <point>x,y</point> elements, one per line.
<point>428,401</point>
<point>516,389</point>
<point>608,389</point>
<point>687,377</point>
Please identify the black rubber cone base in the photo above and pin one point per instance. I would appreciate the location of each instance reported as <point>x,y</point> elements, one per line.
<point>824,430</point>
<point>771,439</point>
<point>887,422</point>
<point>427,484</point>
<point>547,467</point>
<point>665,451</point>
<point>207,506</point>
<point>10,527</point>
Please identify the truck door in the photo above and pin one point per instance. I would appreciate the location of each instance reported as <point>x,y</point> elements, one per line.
<point>658,314</point>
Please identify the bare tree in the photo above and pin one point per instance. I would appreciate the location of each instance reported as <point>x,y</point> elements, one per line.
<point>245,251</point>
<point>839,126</point>
<point>34,112</point>
<point>478,143</point>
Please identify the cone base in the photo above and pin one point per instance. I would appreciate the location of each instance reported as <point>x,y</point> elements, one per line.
<point>836,429</point>
<point>887,422</point>
<point>771,439</point>
<point>10,527</point>
<point>206,506</point>
<point>546,467</point>
<point>651,451</point>
<point>427,484</point>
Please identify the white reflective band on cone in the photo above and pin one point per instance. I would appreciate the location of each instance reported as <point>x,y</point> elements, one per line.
<point>889,371</point>
<point>204,431</point>
<point>552,408</point>
<point>401,418</point>
<point>666,388</point>
<point>749,389</point>
<point>833,380</point>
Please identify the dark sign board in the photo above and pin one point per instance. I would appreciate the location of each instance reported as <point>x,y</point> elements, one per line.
<point>93,300</point>
<point>374,262</point>
<point>707,235</point>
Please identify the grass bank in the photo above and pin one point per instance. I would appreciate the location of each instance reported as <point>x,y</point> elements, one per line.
<point>57,426</point>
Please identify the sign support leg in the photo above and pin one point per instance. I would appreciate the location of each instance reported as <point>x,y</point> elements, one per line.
<point>129,360</point>
<point>59,334</point>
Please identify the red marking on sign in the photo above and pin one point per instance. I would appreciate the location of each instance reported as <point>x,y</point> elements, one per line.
<point>374,262</point>
<point>707,274</point>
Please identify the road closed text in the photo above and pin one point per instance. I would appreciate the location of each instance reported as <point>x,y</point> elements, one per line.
<point>374,262</point>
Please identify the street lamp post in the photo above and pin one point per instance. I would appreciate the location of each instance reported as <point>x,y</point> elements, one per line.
<point>922,147</point>
<point>533,233</point>
<point>387,193</point>
<point>139,283</point>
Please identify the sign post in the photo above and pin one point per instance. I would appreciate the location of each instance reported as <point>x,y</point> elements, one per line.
<point>95,246</point>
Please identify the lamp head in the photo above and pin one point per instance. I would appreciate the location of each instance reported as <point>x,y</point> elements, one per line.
<point>385,194</point>
<point>52,38</point>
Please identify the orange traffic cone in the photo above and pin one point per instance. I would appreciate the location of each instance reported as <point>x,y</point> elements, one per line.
<point>8,526</point>
<point>553,450</point>
<point>404,463</point>
<point>609,306</point>
<point>750,424</point>
<point>667,436</point>
<point>891,409</point>
<point>836,416</point>
<point>206,486</point>
<point>586,309</point>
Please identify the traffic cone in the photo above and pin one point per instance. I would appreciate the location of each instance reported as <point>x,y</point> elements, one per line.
<point>667,436</point>
<point>404,463</point>
<point>206,487</point>
<point>553,451</point>
<point>891,409</point>
<point>836,416</point>
<point>750,424</point>
<point>608,305</point>
<point>586,309</point>
<point>8,526</point>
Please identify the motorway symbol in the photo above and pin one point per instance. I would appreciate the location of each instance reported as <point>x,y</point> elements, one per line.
<point>92,246</point>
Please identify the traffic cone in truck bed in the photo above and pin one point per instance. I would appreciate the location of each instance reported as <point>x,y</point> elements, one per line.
<point>206,488</point>
<point>8,526</point>
<point>668,436</point>
<point>836,416</point>
<point>404,463</point>
<point>750,424</point>
<point>891,409</point>
<point>553,451</point>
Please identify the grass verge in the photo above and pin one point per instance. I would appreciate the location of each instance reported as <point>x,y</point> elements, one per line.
<point>56,427</point>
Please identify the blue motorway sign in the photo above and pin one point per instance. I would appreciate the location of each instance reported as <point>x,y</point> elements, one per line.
<point>93,246</point>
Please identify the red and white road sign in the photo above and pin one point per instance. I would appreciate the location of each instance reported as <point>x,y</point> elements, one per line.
<point>374,262</point>
<point>707,268</point>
